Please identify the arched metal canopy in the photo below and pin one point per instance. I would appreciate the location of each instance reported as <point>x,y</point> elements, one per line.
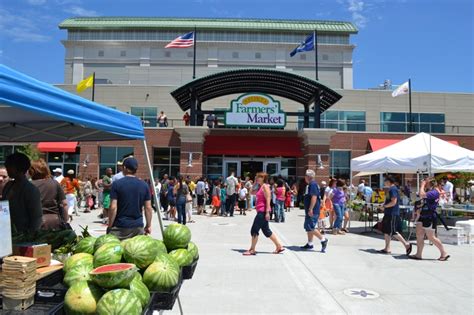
<point>285,84</point>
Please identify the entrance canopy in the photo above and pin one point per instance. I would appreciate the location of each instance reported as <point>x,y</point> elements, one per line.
<point>68,147</point>
<point>420,153</point>
<point>33,111</point>
<point>285,84</point>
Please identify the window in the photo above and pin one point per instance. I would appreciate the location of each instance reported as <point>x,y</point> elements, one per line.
<point>109,156</point>
<point>288,167</point>
<point>148,115</point>
<point>302,56</point>
<point>235,55</point>
<point>325,57</point>
<point>65,160</point>
<point>258,55</point>
<point>167,54</point>
<point>123,53</point>
<point>422,122</point>
<point>340,164</point>
<point>340,120</point>
<point>214,167</point>
<point>5,150</point>
<point>100,53</point>
<point>166,161</point>
<point>190,54</point>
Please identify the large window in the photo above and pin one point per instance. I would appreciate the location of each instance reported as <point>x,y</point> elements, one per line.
<point>288,167</point>
<point>5,150</point>
<point>148,115</point>
<point>166,161</point>
<point>64,160</point>
<point>422,122</point>
<point>340,120</point>
<point>109,156</point>
<point>214,167</point>
<point>340,164</point>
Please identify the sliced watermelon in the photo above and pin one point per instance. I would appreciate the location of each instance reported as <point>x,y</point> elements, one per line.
<point>114,276</point>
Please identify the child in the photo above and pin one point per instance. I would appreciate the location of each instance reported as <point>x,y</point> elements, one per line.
<point>242,199</point>
<point>223,197</point>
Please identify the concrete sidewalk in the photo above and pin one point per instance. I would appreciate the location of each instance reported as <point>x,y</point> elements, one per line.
<point>349,279</point>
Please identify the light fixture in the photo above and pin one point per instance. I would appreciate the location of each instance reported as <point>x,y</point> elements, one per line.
<point>190,159</point>
<point>320,162</point>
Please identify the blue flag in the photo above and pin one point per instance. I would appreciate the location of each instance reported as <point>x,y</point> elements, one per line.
<point>307,45</point>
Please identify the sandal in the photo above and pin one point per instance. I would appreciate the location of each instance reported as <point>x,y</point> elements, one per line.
<point>414,257</point>
<point>280,250</point>
<point>383,251</point>
<point>409,249</point>
<point>445,258</point>
<point>249,253</point>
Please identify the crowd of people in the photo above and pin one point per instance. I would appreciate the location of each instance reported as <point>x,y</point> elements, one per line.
<point>40,200</point>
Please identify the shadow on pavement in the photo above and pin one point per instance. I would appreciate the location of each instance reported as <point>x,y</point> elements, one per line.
<point>241,251</point>
<point>371,251</point>
<point>299,249</point>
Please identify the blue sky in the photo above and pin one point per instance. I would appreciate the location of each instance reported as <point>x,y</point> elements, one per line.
<point>430,41</point>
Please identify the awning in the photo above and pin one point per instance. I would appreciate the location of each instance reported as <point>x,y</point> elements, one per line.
<point>253,146</point>
<point>68,147</point>
<point>377,144</point>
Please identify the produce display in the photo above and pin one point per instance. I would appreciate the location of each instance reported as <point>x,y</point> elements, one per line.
<point>106,276</point>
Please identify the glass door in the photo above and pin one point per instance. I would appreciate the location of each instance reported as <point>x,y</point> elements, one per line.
<point>272,168</point>
<point>231,166</point>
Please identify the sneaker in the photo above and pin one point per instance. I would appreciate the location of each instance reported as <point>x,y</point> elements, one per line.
<point>324,244</point>
<point>307,246</point>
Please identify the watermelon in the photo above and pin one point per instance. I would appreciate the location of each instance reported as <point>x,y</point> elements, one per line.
<point>110,253</point>
<point>119,302</point>
<point>77,260</point>
<point>82,298</point>
<point>161,246</point>
<point>167,258</point>
<point>140,290</point>
<point>86,245</point>
<point>182,257</point>
<point>104,239</point>
<point>141,251</point>
<point>176,236</point>
<point>161,276</point>
<point>78,273</point>
<point>193,250</point>
<point>114,276</point>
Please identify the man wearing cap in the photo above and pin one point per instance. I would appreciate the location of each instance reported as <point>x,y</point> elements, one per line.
<point>58,174</point>
<point>71,189</point>
<point>130,197</point>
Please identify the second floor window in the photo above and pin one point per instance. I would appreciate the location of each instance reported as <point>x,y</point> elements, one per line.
<point>422,122</point>
<point>148,115</point>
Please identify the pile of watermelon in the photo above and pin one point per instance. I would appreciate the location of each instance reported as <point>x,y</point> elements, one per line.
<point>106,276</point>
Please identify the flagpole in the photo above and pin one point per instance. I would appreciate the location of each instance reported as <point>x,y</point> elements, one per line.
<point>315,42</point>
<point>93,86</point>
<point>410,124</point>
<point>194,54</point>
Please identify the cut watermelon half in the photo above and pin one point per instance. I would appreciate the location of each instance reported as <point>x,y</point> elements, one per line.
<point>114,276</point>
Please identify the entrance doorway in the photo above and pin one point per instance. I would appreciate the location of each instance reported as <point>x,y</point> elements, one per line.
<point>251,168</point>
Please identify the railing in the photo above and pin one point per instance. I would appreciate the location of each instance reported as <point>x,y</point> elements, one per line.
<point>356,127</point>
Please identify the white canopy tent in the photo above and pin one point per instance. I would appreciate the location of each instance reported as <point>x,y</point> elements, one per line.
<point>421,153</point>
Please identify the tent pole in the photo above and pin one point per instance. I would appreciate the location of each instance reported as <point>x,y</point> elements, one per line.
<point>157,202</point>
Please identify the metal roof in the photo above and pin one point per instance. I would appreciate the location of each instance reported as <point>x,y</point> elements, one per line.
<point>207,23</point>
<point>280,83</point>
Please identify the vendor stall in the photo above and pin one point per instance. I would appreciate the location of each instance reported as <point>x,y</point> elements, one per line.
<point>33,111</point>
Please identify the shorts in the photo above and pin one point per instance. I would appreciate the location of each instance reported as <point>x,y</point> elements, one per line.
<point>200,200</point>
<point>310,223</point>
<point>391,224</point>
<point>172,202</point>
<point>260,223</point>
<point>242,204</point>
<point>216,202</point>
<point>125,233</point>
<point>106,202</point>
<point>428,222</point>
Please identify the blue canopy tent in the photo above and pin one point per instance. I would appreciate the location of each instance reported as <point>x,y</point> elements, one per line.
<point>33,111</point>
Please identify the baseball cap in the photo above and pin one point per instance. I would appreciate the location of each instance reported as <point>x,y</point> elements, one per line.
<point>130,163</point>
<point>58,170</point>
<point>70,172</point>
<point>323,182</point>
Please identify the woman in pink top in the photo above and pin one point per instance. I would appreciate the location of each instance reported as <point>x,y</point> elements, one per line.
<point>260,222</point>
<point>280,201</point>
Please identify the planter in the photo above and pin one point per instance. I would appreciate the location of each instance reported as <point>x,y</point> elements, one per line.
<point>188,271</point>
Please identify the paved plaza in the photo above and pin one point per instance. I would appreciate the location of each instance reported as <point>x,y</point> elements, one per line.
<point>349,279</point>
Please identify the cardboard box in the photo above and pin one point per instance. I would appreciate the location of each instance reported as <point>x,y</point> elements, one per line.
<point>42,252</point>
<point>455,235</point>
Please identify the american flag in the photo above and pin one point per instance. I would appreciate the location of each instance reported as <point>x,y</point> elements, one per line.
<point>183,41</point>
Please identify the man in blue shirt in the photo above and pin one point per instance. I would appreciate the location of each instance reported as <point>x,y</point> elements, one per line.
<point>392,223</point>
<point>312,203</point>
<point>130,197</point>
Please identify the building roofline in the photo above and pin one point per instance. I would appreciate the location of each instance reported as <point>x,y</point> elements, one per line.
<point>284,25</point>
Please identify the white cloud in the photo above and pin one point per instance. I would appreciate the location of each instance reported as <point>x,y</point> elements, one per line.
<point>80,11</point>
<point>36,2</point>
<point>358,12</point>
<point>20,29</point>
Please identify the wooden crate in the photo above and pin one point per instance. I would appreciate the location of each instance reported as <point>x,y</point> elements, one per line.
<point>17,304</point>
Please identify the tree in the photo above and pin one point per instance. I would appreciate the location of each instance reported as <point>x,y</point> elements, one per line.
<point>30,151</point>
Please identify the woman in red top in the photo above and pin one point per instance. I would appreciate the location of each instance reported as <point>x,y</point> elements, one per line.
<point>263,207</point>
